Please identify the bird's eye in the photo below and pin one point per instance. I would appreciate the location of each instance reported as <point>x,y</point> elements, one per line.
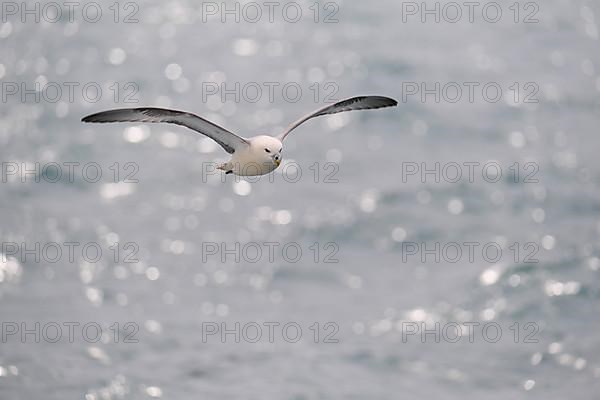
<point>267,150</point>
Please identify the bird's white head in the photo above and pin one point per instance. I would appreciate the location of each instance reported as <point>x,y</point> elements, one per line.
<point>267,149</point>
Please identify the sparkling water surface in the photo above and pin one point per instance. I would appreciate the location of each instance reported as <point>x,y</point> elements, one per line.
<point>368,210</point>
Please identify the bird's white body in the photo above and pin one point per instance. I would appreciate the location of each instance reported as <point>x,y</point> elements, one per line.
<point>262,156</point>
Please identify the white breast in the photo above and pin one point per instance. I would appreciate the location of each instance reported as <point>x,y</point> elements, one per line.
<point>251,162</point>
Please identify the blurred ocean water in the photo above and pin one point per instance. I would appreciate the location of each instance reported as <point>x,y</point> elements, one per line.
<point>355,201</point>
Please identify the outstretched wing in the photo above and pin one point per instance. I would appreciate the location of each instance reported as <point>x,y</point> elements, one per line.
<point>229,141</point>
<point>355,103</point>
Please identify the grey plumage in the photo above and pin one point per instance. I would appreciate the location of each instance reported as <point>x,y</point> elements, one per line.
<point>228,140</point>
<point>354,103</point>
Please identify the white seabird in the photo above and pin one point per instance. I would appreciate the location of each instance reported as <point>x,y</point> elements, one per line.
<point>253,156</point>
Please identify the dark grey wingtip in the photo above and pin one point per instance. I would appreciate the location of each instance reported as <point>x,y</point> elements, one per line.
<point>108,115</point>
<point>393,102</point>
<point>385,101</point>
<point>92,118</point>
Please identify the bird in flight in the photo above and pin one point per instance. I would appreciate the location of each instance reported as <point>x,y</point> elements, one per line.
<point>254,156</point>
